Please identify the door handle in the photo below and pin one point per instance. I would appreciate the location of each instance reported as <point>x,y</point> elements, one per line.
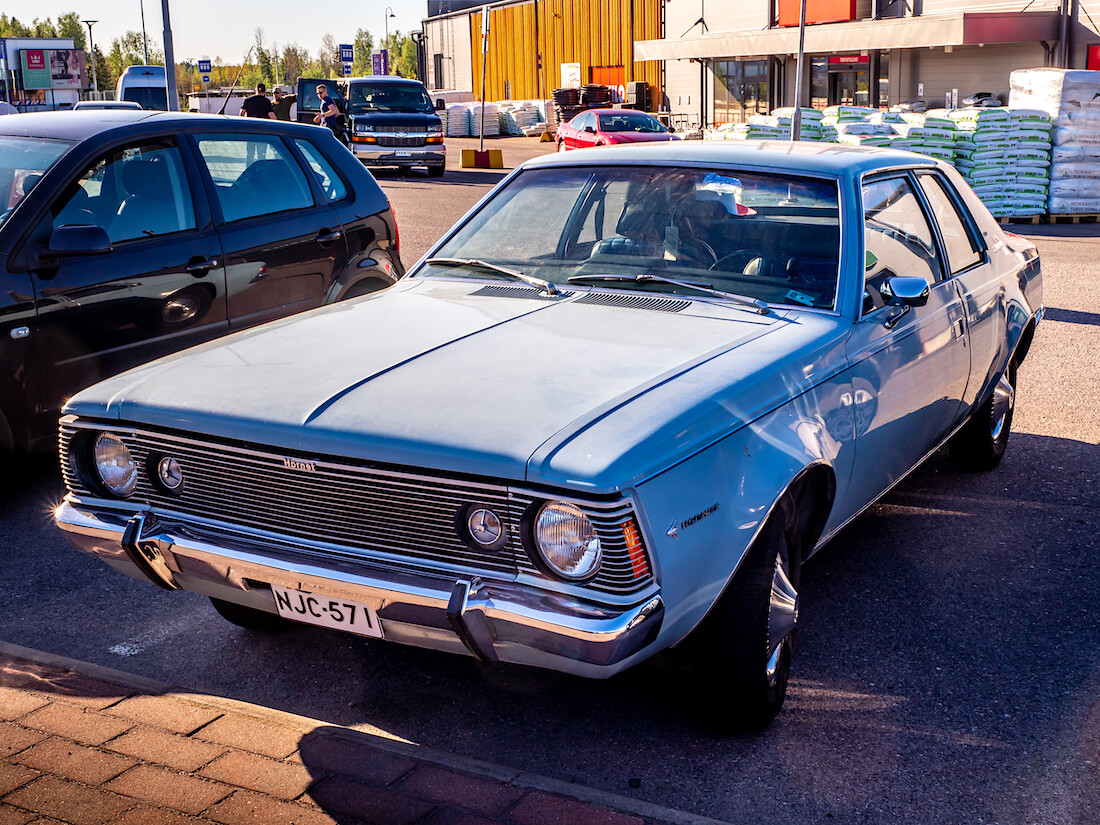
<point>200,268</point>
<point>960,329</point>
<point>328,237</point>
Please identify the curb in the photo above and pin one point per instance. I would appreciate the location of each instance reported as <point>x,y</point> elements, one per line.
<point>468,765</point>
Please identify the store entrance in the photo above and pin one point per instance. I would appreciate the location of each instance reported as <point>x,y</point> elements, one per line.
<point>849,88</point>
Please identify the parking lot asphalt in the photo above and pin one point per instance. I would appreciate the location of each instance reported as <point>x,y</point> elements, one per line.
<point>949,667</point>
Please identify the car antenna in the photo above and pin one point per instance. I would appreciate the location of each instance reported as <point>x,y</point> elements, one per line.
<point>244,63</point>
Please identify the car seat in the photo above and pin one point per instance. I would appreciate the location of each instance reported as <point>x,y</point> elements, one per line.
<point>147,208</point>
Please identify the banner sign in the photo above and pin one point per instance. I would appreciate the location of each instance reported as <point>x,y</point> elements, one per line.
<point>36,69</point>
<point>380,61</point>
<point>54,68</point>
<point>204,66</point>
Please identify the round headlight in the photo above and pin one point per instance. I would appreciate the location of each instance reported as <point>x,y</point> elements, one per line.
<point>567,541</point>
<point>114,464</point>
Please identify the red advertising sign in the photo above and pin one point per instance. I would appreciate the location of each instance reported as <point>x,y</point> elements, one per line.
<point>847,59</point>
<point>36,59</point>
<point>817,11</point>
<point>1094,58</point>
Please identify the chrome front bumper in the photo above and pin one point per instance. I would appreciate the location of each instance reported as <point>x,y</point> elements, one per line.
<point>493,620</point>
<point>375,155</point>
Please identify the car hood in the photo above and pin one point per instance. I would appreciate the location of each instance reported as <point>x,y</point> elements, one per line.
<point>463,377</point>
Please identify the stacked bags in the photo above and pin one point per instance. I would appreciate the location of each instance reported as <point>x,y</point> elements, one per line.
<point>491,119</point>
<point>1071,98</point>
<point>458,120</point>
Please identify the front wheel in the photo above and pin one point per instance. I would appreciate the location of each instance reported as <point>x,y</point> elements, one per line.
<point>980,444</point>
<point>748,638</point>
<point>561,145</point>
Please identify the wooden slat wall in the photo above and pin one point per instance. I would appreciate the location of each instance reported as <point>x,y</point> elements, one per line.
<point>589,32</point>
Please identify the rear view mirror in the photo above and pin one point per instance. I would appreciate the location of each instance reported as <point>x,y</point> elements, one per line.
<point>79,240</point>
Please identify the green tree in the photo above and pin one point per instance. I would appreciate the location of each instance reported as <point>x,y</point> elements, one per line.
<point>69,25</point>
<point>295,63</point>
<point>11,27</point>
<point>127,51</point>
<point>329,57</point>
<point>43,28</point>
<point>264,64</point>
<point>103,74</point>
<point>364,44</point>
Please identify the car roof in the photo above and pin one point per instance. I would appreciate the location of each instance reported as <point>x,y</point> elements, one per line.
<point>808,157</point>
<point>81,124</point>
<point>382,78</point>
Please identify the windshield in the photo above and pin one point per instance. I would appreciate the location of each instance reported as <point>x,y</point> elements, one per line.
<point>630,122</point>
<point>389,97</point>
<point>148,97</point>
<point>22,162</point>
<point>769,237</point>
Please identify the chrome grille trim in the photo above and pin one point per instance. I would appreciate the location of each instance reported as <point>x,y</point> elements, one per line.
<point>366,511</point>
<point>387,140</point>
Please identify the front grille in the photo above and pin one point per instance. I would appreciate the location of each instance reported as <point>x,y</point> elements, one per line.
<point>367,510</point>
<point>416,140</point>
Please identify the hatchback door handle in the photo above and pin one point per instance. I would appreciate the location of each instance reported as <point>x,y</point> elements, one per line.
<point>329,237</point>
<point>202,267</point>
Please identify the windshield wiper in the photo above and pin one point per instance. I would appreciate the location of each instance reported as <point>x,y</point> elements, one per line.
<point>647,278</point>
<point>516,275</point>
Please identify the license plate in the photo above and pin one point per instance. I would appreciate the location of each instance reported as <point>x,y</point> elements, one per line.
<point>401,154</point>
<point>325,611</point>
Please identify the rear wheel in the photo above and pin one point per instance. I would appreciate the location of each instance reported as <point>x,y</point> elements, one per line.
<point>561,145</point>
<point>746,641</point>
<point>980,444</point>
<point>436,171</point>
<point>249,617</point>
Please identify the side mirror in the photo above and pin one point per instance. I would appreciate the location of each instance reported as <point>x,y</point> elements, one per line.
<point>672,130</point>
<point>903,292</point>
<point>78,240</point>
<point>590,130</point>
<point>440,105</point>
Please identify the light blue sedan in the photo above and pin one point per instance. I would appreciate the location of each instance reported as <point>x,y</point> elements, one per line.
<point>612,412</point>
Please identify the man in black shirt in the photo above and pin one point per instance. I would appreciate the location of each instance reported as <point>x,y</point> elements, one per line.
<point>258,105</point>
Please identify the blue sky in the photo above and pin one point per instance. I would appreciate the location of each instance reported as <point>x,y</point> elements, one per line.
<point>227,29</point>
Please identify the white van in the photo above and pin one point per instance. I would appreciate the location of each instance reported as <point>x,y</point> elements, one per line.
<point>145,85</point>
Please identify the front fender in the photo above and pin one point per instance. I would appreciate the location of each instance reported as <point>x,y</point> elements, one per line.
<point>702,516</point>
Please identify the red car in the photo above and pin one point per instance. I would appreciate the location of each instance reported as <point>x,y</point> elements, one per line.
<point>604,127</point>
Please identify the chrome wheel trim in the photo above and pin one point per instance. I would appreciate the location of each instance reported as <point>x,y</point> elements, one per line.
<point>782,619</point>
<point>1004,398</point>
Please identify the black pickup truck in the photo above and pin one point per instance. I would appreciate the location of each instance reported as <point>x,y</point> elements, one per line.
<point>388,121</point>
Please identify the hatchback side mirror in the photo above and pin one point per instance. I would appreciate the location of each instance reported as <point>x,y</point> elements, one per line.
<point>590,130</point>
<point>78,240</point>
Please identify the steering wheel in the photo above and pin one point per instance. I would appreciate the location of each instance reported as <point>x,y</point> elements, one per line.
<point>698,252</point>
<point>745,261</point>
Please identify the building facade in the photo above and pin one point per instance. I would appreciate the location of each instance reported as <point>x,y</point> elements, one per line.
<point>725,61</point>
<point>535,46</point>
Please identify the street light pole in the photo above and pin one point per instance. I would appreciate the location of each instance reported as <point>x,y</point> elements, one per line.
<point>169,60</point>
<point>144,37</point>
<point>91,52</point>
<point>386,42</point>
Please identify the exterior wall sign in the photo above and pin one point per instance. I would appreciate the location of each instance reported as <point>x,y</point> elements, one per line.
<point>848,62</point>
<point>817,11</point>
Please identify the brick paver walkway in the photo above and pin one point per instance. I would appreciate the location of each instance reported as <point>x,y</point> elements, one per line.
<point>83,745</point>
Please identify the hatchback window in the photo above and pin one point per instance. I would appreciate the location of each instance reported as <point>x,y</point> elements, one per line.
<point>134,192</point>
<point>253,175</point>
<point>23,161</point>
<point>330,183</point>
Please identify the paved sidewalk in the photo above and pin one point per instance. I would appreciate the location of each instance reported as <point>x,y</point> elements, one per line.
<point>85,745</point>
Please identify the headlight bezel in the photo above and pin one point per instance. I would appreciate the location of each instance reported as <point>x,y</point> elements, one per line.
<point>540,555</point>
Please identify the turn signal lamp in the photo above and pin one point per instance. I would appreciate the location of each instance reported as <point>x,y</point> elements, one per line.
<point>638,562</point>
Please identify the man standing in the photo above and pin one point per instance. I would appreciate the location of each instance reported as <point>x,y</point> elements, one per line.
<point>258,105</point>
<point>283,102</point>
<point>329,115</point>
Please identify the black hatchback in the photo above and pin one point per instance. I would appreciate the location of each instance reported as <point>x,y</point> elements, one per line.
<point>125,236</point>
